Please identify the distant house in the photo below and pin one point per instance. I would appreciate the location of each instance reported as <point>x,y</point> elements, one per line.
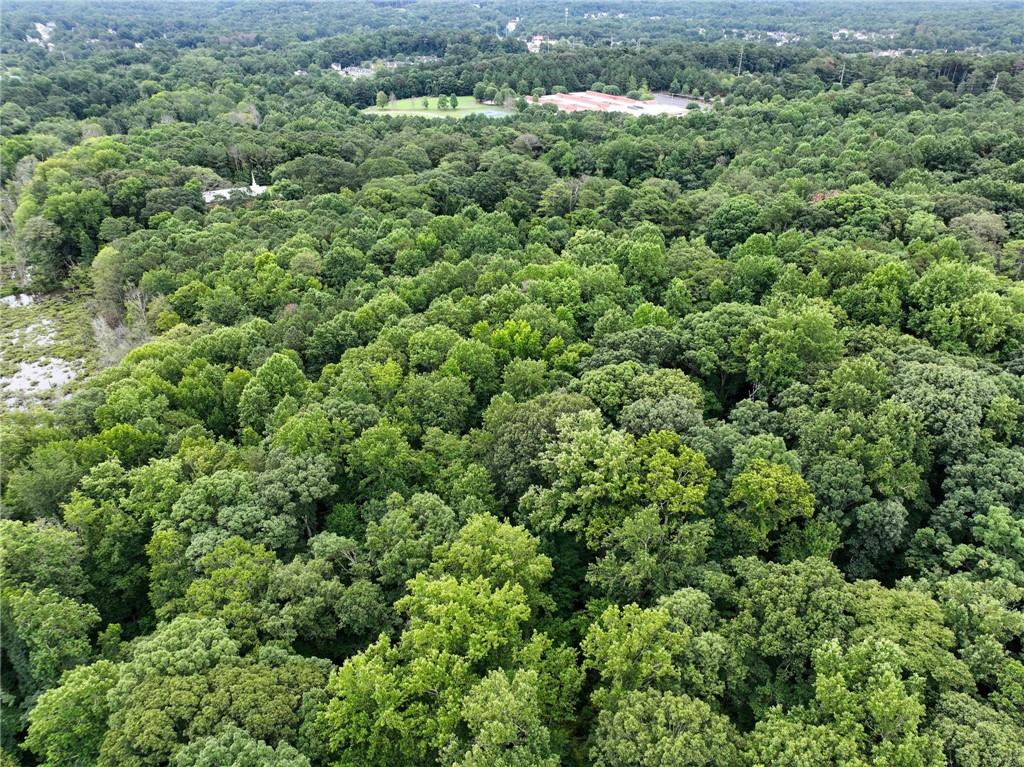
<point>353,72</point>
<point>370,68</point>
<point>534,43</point>
<point>253,190</point>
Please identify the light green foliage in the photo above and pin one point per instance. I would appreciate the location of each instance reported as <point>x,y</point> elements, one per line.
<point>468,618</point>
<point>784,613</point>
<point>998,551</point>
<point>78,215</point>
<point>864,712</point>
<point>913,621</point>
<point>68,722</point>
<point>45,634</point>
<point>733,222</point>
<point>233,584</point>
<point>504,719</point>
<point>234,747</point>
<point>227,503</point>
<point>44,480</point>
<point>613,386</point>
<point>277,378</point>
<point>169,573</point>
<point>795,347</point>
<point>599,474</point>
<point>400,701</point>
<point>651,728</point>
<point>764,499</point>
<point>637,502</point>
<point>41,555</point>
<point>430,347</point>
<point>671,647</point>
<point>435,400</point>
<point>975,734</point>
<point>500,552</point>
<point>381,459</point>
<point>403,541</point>
<point>403,700</point>
<point>959,307</point>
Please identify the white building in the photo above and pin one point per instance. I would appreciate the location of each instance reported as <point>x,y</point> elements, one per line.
<point>253,190</point>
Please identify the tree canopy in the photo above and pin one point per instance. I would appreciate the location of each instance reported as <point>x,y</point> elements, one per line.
<point>513,436</point>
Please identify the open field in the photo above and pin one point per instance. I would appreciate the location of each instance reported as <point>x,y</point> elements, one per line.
<point>414,106</point>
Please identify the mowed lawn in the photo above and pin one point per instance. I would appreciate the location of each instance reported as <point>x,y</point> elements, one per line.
<point>414,106</point>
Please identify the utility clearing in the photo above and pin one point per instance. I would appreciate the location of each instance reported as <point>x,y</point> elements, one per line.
<point>44,349</point>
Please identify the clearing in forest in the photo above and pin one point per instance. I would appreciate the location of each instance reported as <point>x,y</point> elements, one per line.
<point>467,105</point>
<point>44,347</point>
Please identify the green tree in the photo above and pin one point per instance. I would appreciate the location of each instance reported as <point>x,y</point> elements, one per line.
<point>277,378</point>
<point>784,613</point>
<point>673,646</point>
<point>764,499</point>
<point>403,541</point>
<point>733,222</point>
<point>974,734</point>
<point>78,215</point>
<point>796,347</point>
<point>503,717</point>
<point>41,240</point>
<point>233,747</point>
<point>656,728</point>
<point>44,635</point>
<point>502,553</point>
<point>864,712</point>
<point>41,555</point>
<point>406,700</point>
<point>637,502</point>
<point>381,460</point>
<point>68,723</point>
<point>187,681</point>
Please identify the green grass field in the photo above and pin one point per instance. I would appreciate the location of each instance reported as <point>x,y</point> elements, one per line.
<point>414,106</point>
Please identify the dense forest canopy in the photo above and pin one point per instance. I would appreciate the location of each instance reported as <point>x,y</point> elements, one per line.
<point>522,441</point>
